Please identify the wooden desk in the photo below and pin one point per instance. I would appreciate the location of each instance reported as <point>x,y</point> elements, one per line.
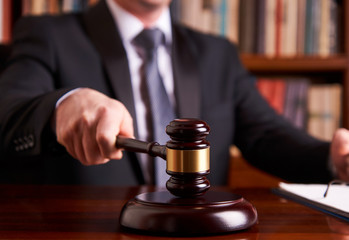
<point>81,212</point>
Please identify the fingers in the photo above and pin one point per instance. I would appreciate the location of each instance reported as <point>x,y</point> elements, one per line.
<point>92,155</point>
<point>110,125</point>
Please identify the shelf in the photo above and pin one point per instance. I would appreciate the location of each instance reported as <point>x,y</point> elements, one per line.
<point>256,63</point>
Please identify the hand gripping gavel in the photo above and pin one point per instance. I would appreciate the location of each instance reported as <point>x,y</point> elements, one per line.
<point>187,155</point>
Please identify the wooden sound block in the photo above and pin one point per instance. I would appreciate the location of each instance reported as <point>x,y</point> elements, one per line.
<point>161,213</point>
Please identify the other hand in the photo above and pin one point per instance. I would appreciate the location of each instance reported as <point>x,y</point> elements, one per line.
<point>340,153</point>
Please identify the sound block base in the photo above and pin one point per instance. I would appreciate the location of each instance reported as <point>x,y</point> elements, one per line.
<point>161,213</point>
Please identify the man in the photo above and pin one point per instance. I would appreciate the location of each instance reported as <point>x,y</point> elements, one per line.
<point>91,53</point>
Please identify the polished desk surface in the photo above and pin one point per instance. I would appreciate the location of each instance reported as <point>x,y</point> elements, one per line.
<point>91,212</point>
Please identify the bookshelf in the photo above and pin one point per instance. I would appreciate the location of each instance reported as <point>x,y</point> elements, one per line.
<point>336,65</point>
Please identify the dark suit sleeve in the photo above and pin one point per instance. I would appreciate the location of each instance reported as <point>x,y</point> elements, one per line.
<point>270,142</point>
<point>28,94</point>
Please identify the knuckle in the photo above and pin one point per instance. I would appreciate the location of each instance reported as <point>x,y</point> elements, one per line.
<point>104,110</point>
<point>63,137</point>
<point>85,121</point>
<point>119,106</point>
<point>102,139</point>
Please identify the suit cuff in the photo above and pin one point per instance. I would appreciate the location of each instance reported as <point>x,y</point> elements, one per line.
<point>61,99</point>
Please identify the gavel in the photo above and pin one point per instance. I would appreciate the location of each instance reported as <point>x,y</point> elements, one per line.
<point>187,154</point>
<point>187,208</point>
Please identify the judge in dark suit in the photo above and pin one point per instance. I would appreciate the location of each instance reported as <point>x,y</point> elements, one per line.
<point>70,87</point>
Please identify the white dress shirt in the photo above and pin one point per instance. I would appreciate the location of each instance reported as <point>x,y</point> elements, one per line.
<point>129,27</point>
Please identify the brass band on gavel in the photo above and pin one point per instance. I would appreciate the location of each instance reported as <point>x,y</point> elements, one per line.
<point>188,161</point>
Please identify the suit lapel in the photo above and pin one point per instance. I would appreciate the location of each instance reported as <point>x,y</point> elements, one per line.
<point>186,75</point>
<point>102,31</point>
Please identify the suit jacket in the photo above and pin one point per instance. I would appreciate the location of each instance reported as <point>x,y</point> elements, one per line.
<point>53,54</point>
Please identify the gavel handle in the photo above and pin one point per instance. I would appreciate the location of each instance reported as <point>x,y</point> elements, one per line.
<point>154,149</point>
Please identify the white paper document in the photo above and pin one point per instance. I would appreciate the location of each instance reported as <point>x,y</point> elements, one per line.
<point>337,196</point>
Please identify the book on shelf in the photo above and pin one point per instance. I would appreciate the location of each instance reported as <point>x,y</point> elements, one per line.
<point>247,26</point>
<point>324,110</point>
<point>260,25</point>
<point>300,29</point>
<point>309,24</point>
<point>313,107</point>
<point>334,26</point>
<point>288,97</point>
<point>270,28</point>
<point>6,24</point>
<point>288,45</point>
<point>232,15</point>
<point>274,92</point>
<point>296,102</point>
<point>324,33</point>
<point>278,25</point>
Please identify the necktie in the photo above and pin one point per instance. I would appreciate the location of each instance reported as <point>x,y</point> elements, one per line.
<point>154,96</point>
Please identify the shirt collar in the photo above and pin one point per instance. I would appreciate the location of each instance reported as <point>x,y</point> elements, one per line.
<point>130,26</point>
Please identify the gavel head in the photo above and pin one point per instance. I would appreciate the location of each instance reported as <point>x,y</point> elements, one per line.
<point>188,157</point>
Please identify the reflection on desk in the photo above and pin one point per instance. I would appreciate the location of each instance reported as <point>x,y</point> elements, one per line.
<point>91,212</point>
